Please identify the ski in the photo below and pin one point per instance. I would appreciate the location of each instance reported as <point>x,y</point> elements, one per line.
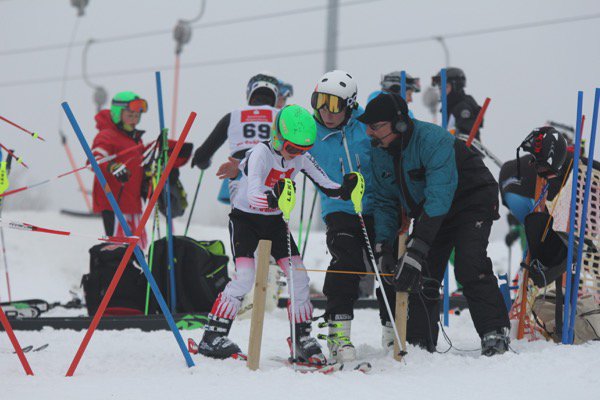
<point>304,367</point>
<point>30,348</point>
<point>193,349</point>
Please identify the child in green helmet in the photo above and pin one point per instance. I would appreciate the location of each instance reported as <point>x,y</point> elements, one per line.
<point>118,132</point>
<point>256,216</point>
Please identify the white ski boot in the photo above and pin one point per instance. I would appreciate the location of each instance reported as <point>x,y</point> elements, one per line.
<point>340,347</point>
<point>387,337</point>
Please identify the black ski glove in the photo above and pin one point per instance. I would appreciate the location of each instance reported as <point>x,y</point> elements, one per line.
<point>119,171</point>
<point>386,262</point>
<point>274,195</point>
<point>197,161</point>
<point>348,185</point>
<point>408,276</point>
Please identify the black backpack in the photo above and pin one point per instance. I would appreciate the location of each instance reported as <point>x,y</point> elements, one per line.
<point>200,273</point>
<point>129,296</point>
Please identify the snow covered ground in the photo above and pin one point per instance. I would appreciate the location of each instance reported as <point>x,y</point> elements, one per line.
<point>135,365</point>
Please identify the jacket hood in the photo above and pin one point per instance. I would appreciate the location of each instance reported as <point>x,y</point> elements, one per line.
<point>104,121</point>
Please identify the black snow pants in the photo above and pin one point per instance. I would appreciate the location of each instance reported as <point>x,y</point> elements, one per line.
<point>473,270</point>
<point>348,249</point>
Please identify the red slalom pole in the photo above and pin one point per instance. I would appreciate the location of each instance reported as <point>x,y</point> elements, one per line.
<point>478,121</point>
<point>131,247</point>
<point>15,343</point>
<point>32,134</point>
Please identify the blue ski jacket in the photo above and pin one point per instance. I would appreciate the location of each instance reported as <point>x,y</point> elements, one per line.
<point>330,155</point>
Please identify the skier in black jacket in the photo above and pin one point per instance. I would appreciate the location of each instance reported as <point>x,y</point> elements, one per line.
<point>462,108</point>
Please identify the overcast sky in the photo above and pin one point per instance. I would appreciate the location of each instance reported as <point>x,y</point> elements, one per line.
<point>531,75</point>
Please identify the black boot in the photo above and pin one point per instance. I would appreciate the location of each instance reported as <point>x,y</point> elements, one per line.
<point>495,342</point>
<point>215,343</point>
<point>308,350</point>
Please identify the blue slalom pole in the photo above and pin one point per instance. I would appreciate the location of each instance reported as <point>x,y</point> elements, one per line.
<point>583,223</point>
<point>570,270</point>
<point>139,255</point>
<point>161,119</point>
<point>445,126</point>
<point>403,84</point>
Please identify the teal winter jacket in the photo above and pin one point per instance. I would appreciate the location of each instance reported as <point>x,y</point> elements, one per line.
<point>330,154</point>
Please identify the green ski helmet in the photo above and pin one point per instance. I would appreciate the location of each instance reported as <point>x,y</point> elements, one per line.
<point>294,130</point>
<point>126,100</point>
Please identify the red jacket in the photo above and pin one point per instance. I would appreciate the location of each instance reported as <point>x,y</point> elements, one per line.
<point>111,140</point>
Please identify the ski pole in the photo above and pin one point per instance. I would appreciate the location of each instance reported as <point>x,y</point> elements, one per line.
<point>286,203</point>
<point>301,211</point>
<point>32,134</point>
<point>187,226</point>
<point>356,198</point>
<point>310,217</point>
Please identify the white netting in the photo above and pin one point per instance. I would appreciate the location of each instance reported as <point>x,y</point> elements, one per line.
<point>590,266</point>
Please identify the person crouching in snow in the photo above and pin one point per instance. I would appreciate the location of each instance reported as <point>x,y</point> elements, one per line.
<point>256,216</point>
<point>124,174</point>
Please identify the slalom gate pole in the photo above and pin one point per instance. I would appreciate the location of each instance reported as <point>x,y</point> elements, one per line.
<point>478,122</point>
<point>15,343</point>
<point>187,225</point>
<point>167,194</point>
<point>19,127</point>
<point>301,211</point>
<point>403,84</point>
<point>572,215</point>
<point>131,248</point>
<point>358,210</point>
<point>583,223</point>
<point>446,304</point>
<point>308,225</point>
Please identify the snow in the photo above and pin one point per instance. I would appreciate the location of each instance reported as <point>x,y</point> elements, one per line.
<point>136,365</point>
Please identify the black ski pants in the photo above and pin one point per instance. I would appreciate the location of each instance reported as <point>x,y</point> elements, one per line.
<point>473,270</point>
<point>348,249</point>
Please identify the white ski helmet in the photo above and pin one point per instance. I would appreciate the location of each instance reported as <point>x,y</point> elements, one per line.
<point>264,82</point>
<point>338,83</point>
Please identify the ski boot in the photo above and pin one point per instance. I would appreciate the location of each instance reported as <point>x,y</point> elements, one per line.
<point>340,347</point>
<point>495,342</point>
<point>308,349</point>
<point>387,336</point>
<point>215,343</point>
